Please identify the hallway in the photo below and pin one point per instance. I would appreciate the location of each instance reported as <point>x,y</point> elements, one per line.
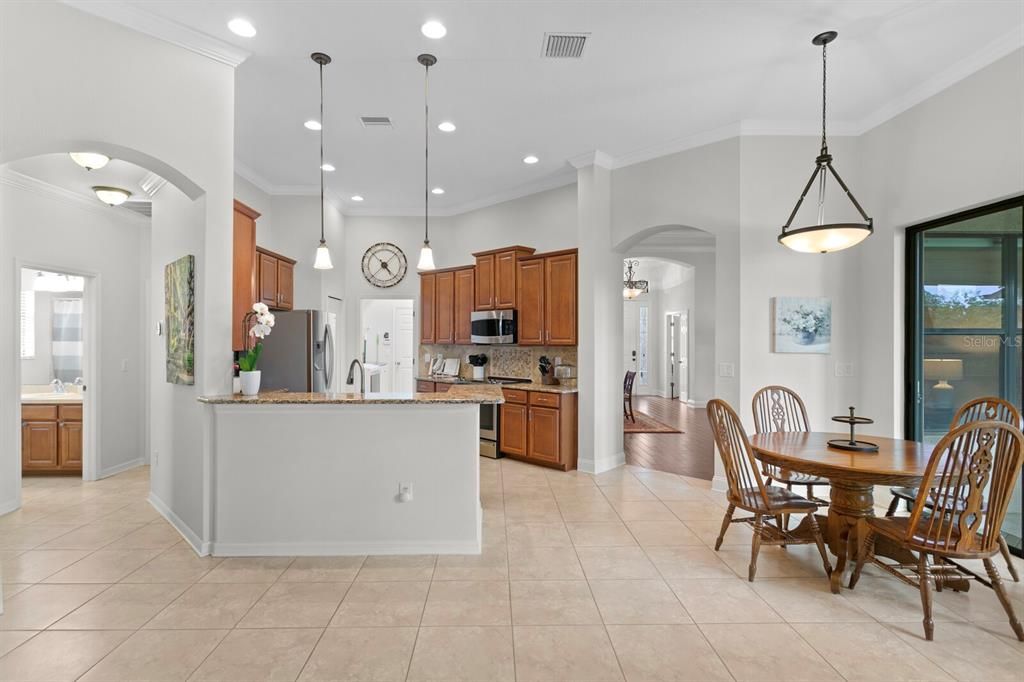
<point>690,453</point>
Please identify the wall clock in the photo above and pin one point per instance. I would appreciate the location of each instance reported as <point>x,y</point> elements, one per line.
<point>384,265</point>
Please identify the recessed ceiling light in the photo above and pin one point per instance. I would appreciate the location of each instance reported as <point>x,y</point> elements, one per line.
<point>113,196</point>
<point>241,27</point>
<point>327,168</point>
<point>312,125</point>
<point>356,197</point>
<point>433,29</point>
<point>90,160</point>
<point>446,127</point>
<point>531,159</point>
<point>437,190</point>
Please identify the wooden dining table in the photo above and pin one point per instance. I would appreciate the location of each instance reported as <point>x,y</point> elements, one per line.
<point>852,477</point>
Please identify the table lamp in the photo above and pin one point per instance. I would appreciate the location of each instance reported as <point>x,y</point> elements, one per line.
<point>942,371</point>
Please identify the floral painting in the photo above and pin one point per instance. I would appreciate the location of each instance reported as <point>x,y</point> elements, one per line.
<point>179,309</point>
<point>802,325</point>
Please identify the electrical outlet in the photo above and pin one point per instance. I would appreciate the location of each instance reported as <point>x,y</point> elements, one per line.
<point>844,369</point>
<point>124,365</point>
<point>156,457</point>
<point>405,492</point>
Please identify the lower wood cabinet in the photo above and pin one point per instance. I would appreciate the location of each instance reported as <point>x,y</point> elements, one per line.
<point>51,438</point>
<point>424,386</point>
<point>539,427</point>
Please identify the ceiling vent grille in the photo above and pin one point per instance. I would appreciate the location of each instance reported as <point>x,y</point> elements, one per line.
<point>375,121</point>
<point>564,45</point>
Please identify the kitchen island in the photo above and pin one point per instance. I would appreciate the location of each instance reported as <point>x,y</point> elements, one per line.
<point>322,474</point>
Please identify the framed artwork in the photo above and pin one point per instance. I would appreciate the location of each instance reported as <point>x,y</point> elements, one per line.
<point>801,325</point>
<point>180,313</point>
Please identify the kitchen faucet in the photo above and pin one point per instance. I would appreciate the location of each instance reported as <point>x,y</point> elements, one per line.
<point>58,386</point>
<point>351,380</point>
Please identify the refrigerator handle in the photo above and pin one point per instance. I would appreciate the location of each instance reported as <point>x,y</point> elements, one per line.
<point>328,363</point>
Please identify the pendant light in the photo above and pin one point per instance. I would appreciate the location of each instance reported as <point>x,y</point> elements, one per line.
<point>632,287</point>
<point>825,237</point>
<point>426,253</point>
<point>323,256</point>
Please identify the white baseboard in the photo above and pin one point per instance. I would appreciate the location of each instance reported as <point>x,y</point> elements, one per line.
<point>719,484</point>
<point>201,548</point>
<point>7,506</point>
<point>589,465</point>
<point>123,466</point>
<point>340,548</point>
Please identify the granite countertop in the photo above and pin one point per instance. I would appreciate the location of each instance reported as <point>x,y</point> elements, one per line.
<point>51,398</point>
<point>457,395</point>
<point>528,386</point>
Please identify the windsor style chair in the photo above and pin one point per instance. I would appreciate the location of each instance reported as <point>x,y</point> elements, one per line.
<point>627,396</point>
<point>778,409</point>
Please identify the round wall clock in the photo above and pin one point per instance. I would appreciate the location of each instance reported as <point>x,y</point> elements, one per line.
<point>384,265</point>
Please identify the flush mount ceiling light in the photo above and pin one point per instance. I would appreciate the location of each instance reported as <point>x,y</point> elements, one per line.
<point>327,167</point>
<point>530,160</point>
<point>356,197</point>
<point>323,255</point>
<point>631,286</point>
<point>434,30</point>
<point>825,237</point>
<point>242,27</point>
<point>90,160</point>
<point>312,125</point>
<point>426,261</point>
<point>437,190</point>
<point>446,127</point>
<point>112,196</point>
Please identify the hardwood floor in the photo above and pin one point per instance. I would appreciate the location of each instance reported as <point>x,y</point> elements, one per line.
<point>690,453</point>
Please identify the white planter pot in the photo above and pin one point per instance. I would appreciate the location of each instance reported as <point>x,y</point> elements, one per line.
<point>250,382</point>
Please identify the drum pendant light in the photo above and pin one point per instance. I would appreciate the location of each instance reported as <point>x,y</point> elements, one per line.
<point>426,253</point>
<point>825,237</point>
<point>323,255</point>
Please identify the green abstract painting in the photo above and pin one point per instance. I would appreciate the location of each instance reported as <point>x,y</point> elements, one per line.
<point>180,307</point>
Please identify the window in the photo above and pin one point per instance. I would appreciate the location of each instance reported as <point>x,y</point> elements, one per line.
<point>27,320</point>
<point>964,321</point>
<point>642,370</point>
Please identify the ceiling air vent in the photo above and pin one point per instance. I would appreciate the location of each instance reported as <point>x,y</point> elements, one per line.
<point>375,121</point>
<point>568,45</point>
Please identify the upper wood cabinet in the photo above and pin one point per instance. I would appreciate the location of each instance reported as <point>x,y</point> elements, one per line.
<point>547,312</point>
<point>276,279</point>
<point>244,271</point>
<point>465,280</point>
<point>427,307</point>
<point>444,307</point>
<point>496,277</point>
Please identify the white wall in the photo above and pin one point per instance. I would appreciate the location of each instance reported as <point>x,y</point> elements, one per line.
<point>177,119</point>
<point>46,227</point>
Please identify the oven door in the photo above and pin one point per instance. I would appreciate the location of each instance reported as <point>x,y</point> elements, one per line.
<point>493,326</point>
<point>489,422</point>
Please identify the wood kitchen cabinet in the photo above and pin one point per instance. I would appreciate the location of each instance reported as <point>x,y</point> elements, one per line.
<point>547,299</point>
<point>51,438</point>
<point>444,307</point>
<point>539,427</point>
<point>276,275</point>
<point>446,304</point>
<point>463,301</point>
<point>428,281</point>
<point>424,386</point>
<point>496,277</point>
<point>244,271</point>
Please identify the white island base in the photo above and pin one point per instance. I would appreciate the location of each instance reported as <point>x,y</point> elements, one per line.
<point>315,479</point>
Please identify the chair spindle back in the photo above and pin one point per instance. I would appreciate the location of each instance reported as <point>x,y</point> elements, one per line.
<point>741,470</point>
<point>985,409</point>
<point>972,460</point>
<point>778,409</point>
<point>627,383</point>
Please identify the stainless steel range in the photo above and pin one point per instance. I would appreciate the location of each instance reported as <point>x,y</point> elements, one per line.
<point>489,419</point>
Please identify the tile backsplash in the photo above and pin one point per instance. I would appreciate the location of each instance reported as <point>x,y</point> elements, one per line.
<point>504,361</point>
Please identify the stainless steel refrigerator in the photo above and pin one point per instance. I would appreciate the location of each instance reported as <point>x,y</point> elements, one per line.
<point>298,355</point>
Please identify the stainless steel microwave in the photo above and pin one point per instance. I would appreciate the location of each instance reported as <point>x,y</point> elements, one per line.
<point>493,327</point>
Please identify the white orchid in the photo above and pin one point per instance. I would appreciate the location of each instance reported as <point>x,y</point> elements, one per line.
<point>259,330</point>
<point>260,308</point>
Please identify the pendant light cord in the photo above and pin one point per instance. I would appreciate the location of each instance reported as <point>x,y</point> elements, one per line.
<point>426,154</point>
<point>321,152</point>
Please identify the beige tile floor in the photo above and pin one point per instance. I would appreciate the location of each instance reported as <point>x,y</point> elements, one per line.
<point>581,578</point>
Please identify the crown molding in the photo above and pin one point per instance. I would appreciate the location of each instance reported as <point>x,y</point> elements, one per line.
<point>159,27</point>
<point>35,186</point>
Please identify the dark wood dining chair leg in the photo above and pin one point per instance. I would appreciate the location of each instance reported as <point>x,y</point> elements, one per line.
<point>893,506</point>
<point>866,549</point>
<point>820,542</point>
<point>726,522</point>
<point>1004,549</point>
<point>755,546</point>
<point>1000,589</point>
<point>924,574</point>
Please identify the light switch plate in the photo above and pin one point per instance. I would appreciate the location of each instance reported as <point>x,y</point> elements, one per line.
<point>726,369</point>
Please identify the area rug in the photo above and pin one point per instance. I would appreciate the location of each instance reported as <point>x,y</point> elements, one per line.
<point>645,423</point>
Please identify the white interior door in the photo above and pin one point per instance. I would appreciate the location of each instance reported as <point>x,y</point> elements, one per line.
<point>683,355</point>
<point>404,349</point>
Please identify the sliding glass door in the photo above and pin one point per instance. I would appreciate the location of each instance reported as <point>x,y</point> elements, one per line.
<point>964,285</point>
